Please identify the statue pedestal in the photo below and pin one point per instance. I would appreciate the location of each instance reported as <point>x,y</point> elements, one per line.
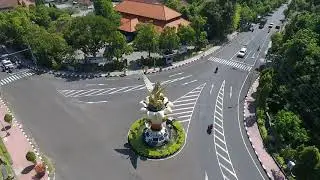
<point>156,138</point>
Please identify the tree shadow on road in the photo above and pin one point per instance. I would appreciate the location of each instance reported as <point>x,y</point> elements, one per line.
<point>131,155</point>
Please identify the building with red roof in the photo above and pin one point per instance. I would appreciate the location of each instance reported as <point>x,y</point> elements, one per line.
<point>134,12</point>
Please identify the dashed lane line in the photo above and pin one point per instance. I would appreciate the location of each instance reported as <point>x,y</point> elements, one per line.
<point>224,161</point>
<point>190,82</point>
<point>176,74</point>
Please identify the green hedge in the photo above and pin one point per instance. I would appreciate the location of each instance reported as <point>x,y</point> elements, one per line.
<point>261,124</point>
<point>135,139</point>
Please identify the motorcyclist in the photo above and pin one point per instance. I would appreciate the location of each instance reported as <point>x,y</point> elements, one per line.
<point>258,48</point>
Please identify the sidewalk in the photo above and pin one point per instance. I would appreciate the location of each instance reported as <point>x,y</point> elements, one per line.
<point>18,144</point>
<point>253,133</point>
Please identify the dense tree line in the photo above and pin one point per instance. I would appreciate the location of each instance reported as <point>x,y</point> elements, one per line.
<point>289,90</point>
<point>224,16</point>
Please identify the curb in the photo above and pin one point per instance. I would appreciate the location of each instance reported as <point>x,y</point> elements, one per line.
<point>64,74</point>
<point>33,145</point>
<point>248,134</point>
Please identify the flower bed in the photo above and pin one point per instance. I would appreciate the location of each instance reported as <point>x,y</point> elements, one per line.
<point>135,139</point>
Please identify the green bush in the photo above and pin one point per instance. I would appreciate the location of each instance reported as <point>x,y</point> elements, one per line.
<point>264,134</point>
<point>8,118</point>
<point>135,138</point>
<point>280,160</point>
<point>31,156</point>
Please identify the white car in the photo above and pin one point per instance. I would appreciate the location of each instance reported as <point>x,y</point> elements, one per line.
<point>242,52</point>
<point>6,65</point>
<point>270,25</point>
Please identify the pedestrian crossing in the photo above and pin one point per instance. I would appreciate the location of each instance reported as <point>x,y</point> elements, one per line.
<point>235,64</point>
<point>76,93</point>
<point>16,76</point>
<point>184,106</point>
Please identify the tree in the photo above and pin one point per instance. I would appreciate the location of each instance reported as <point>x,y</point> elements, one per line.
<point>169,40</point>
<point>186,35</point>
<point>294,133</point>
<point>105,8</point>
<point>8,118</point>
<point>49,49</point>
<point>308,164</point>
<point>39,2</point>
<point>147,38</point>
<point>89,33</point>
<point>117,46</point>
<point>198,23</point>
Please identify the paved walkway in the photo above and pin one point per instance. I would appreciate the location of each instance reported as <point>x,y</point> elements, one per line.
<point>253,133</point>
<point>17,146</point>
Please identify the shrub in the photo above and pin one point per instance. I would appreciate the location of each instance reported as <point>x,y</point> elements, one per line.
<point>280,160</point>
<point>8,118</point>
<point>30,156</point>
<point>264,134</point>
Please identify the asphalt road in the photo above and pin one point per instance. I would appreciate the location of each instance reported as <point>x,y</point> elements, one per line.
<point>82,125</point>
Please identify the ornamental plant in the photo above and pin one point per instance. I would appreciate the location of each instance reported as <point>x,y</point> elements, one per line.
<point>31,156</point>
<point>8,118</point>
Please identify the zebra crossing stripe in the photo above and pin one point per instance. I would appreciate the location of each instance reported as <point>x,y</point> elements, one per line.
<point>15,76</point>
<point>236,64</point>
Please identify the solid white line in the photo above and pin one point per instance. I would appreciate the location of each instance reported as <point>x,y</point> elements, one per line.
<point>84,93</point>
<point>225,159</point>
<point>221,140</point>
<point>130,89</point>
<point>97,91</point>
<point>78,92</point>
<point>118,90</point>
<point>176,74</point>
<point>97,102</point>
<point>228,170</point>
<point>183,104</point>
<point>191,95</point>
<point>212,85</point>
<point>206,175</point>
<point>184,120</point>
<point>190,82</point>
<point>174,114</point>
<point>96,84</point>
<point>104,92</point>
<point>230,91</point>
<point>220,147</point>
<point>184,100</point>
<point>181,109</point>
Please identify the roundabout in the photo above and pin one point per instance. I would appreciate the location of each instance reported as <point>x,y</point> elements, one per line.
<point>155,136</point>
<point>139,146</point>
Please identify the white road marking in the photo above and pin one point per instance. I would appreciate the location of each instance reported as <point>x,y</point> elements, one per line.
<point>190,82</point>
<point>206,175</point>
<point>93,102</point>
<point>222,158</point>
<point>233,63</point>
<point>96,84</point>
<point>176,74</point>
<point>135,87</point>
<point>212,85</point>
<point>230,91</point>
<point>247,55</point>
<point>16,76</point>
<point>253,55</point>
<point>239,125</point>
<point>118,90</point>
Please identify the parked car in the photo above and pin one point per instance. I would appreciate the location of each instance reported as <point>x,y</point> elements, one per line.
<point>242,53</point>
<point>6,65</point>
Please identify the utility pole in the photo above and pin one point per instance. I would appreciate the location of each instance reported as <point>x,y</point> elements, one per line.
<point>33,57</point>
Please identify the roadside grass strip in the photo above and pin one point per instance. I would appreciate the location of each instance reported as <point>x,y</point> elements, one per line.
<point>219,140</point>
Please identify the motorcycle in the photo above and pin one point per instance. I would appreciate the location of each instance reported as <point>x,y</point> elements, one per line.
<point>209,129</point>
<point>216,70</point>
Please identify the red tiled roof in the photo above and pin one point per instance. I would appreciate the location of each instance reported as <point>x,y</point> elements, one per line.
<point>128,25</point>
<point>177,23</point>
<point>150,10</point>
<point>7,4</point>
